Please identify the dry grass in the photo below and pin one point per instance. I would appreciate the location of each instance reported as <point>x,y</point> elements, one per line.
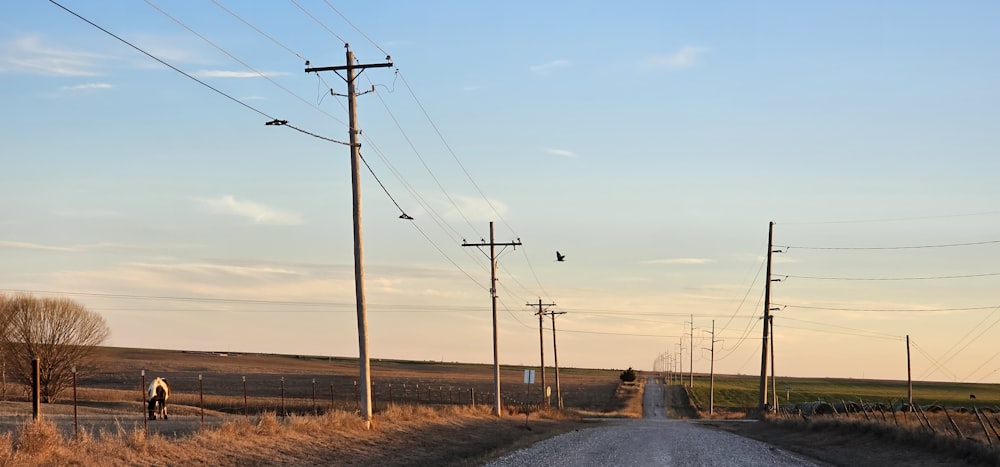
<point>401,435</point>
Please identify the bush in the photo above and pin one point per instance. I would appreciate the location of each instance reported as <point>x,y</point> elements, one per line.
<point>628,375</point>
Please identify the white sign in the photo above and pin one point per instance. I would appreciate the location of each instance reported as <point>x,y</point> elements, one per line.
<point>529,376</point>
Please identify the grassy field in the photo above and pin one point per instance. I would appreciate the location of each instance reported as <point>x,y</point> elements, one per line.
<point>741,392</point>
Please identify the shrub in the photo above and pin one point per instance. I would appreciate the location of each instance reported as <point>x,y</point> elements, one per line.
<point>628,375</point>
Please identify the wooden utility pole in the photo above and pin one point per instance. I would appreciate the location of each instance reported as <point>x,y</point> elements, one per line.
<point>555,357</point>
<point>542,307</point>
<point>493,296</point>
<point>691,356</point>
<point>909,376</point>
<point>359,266</point>
<point>762,397</point>
<point>711,378</point>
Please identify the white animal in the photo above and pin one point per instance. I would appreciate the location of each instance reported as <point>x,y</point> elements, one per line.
<point>157,395</point>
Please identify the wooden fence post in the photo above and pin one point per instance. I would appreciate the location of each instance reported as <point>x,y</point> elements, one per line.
<point>246,409</point>
<point>76,424</point>
<point>201,399</point>
<point>142,390</point>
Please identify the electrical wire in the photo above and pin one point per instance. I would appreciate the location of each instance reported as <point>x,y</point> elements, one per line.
<point>887,310</point>
<point>191,77</point>
<point>348,21</point>
<point>320,23</point>
<point>241,62</point>
<point>910,247</point>
<point>963,276</point>
<point>255,28</point>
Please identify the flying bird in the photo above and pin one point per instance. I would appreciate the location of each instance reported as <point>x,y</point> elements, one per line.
<point>560,256</point>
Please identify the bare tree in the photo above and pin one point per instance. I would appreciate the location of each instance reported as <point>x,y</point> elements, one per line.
<point>59,332</point>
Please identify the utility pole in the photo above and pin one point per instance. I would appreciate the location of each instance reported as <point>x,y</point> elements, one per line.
<point>493,295</point>
<point>359,266</point>
<point>762,397</point>
<point>541,343</point>
<point>691,357</point>
<point>711,371</point>
<point>909,376</point>
<point>555,357</point>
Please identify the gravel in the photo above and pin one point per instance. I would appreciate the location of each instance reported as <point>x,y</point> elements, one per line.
<point>653,440</point>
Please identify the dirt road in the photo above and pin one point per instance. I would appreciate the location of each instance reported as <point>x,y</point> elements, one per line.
<point>654,440</point>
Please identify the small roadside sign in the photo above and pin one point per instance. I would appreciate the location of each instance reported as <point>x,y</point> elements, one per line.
<point>529,376</point>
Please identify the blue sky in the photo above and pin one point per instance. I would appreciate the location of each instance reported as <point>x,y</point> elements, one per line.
<point>651,142</point>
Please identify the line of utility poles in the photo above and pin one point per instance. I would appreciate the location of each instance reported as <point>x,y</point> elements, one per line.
<point>493,296</point>
<point>691,356</point>
<point>365,385</point>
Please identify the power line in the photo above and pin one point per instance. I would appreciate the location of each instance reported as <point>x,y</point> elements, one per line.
<point>899,310</point>
<point>241,62</point>
<point>910,247</point>
<point>348,21</point>
<point>320,23</point>
<point>255,28</point>
<point>182,72</point>
<point>964,276</point>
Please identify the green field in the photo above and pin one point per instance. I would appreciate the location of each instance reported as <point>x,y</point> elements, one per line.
<point>741,392</point>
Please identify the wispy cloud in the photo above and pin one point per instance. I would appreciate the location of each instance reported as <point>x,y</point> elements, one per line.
<point>259,213</point>
<point>237,74</point>
<point>561,152</point>
<point>473,208</point>
<point>36,246</point>
<point>680,261</point>
<point>28,54</point>
<point>86,87</point>
<point>545,68</point>
<point>684,57</point>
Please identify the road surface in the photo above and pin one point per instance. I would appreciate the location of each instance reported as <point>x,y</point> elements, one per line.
<point>653,440</point>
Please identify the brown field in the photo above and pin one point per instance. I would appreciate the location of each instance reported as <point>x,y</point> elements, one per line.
<point>295,409</point>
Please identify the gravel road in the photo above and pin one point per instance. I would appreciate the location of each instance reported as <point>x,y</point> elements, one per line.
<point>654,440</point>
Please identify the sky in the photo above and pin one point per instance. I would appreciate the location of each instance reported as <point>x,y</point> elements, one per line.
<point>651,143</point>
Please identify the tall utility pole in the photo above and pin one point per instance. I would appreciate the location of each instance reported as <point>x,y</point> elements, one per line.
<point>493,295</point>
<point>555,357</point>
<point>542,307</point>
<point>762,397</point>
<point>359,266</point>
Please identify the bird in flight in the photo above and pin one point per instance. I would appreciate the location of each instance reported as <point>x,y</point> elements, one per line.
<point>560,256</point>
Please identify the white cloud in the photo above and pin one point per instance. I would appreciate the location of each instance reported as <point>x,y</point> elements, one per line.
<point>237,74</point>
<point>684,57</point>
<point>561,152</point>
<point>680,261</point>
<point>475,209</point>
<point>261,214</point>
<point>35,246</point>
<point>27,54</point>
<point>86,87</point>
<point>545,68</point>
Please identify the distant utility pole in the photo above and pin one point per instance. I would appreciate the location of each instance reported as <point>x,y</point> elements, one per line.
<point>711,371</point>
<point>555,357</point>
<point>542,307</point>
<point>691,357</point>
<point>909,377</point>
<point>493,295</point>
<point>762,397</point>
<point>359,267</point>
